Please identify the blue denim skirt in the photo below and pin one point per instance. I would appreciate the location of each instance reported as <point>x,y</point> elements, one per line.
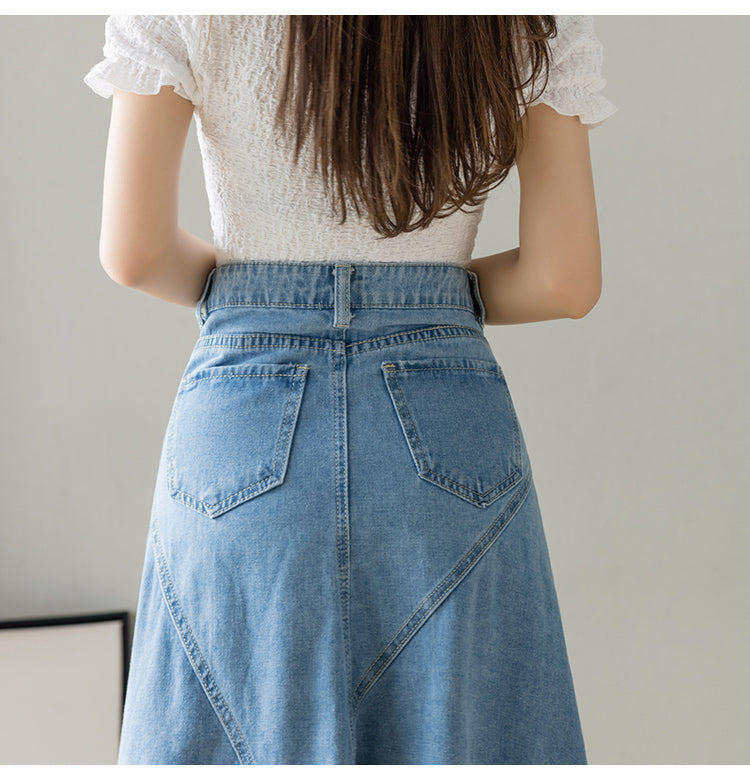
<point>346,562</point>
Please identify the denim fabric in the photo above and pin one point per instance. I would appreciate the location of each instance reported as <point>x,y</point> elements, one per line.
<point>346,562</point>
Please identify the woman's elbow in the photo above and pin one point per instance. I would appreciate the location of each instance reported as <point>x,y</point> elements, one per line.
<point>582,306</point>
<point>127,269</point>
<point>579,294</point>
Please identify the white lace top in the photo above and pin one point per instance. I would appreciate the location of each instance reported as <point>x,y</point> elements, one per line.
<point>262,206</point>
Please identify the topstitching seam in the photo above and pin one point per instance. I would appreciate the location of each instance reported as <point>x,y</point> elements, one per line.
<point>468,561</point>
<point>219,704</point>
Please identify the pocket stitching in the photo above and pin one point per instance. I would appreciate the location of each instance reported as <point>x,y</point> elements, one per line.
<point>298,375</point>
<point>392,383</point>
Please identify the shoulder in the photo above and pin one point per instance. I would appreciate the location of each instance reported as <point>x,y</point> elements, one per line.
<point>576,44</point>
<point>576,80</point>
<point>175,33</point>
<point>142,53</point>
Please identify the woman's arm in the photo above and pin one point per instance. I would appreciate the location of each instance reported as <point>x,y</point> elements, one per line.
<point>556,270</point>
<point>141,245</point>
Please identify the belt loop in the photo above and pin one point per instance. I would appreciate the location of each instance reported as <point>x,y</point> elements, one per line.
<point>342,313</point>
<point>479,311</point>
<point>201,308</point>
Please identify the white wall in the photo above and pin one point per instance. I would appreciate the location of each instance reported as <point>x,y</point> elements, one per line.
<point>635,416</point>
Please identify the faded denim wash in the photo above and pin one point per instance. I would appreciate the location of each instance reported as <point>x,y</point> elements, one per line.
<point>346,562</point>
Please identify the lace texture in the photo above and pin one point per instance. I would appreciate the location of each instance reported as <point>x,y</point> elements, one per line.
<point>575,76</point>
<point>262,206</point>
<point>143,54</point>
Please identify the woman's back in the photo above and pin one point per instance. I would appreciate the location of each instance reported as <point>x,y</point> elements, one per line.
<point>263,206</point>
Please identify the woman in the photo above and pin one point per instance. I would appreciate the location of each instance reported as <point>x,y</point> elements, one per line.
<point>346,561</point>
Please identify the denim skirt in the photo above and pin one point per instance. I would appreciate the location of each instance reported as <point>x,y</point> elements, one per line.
<point>346,562</point>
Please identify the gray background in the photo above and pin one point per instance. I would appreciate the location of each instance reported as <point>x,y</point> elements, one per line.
<point>635,416</point>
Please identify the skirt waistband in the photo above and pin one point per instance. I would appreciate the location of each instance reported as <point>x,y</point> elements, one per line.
<point>340,286</point>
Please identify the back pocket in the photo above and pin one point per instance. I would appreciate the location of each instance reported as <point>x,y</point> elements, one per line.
<point>230,433</point>
<point>460,424</point>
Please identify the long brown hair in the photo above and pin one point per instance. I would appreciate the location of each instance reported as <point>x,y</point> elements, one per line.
<point>416,113</point>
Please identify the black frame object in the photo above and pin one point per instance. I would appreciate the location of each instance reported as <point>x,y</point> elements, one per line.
<point>98,617</point>
<point>122,617</point>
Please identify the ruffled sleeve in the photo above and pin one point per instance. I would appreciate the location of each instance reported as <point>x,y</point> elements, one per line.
<point>575,75</point>
<point>142,54</point>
